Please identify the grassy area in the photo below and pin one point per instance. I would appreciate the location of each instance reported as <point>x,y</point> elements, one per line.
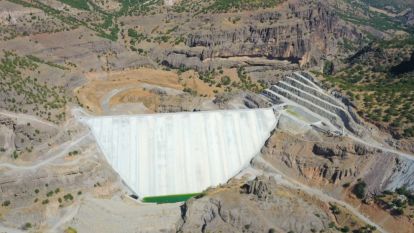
<point>300,114</point>
<point>292,112</point>
<point>170,198</point>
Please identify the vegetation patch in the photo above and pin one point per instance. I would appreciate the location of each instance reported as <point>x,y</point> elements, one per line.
<point>71,230</point>
<point>346,222</point>
<point>359,189</point>
<point>234,5</point>
<point>380,85</point>
<point>38,60</point>
<point>138,7</point>
<point>103,23</point>
<point>398,202</point>
<point>222,6</point>
<point>79,4</point>
<point>360,14</point>
<point>23,93</point>
<point>398,5</point>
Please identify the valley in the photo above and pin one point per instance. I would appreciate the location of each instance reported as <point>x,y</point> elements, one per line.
<point>206,116</point>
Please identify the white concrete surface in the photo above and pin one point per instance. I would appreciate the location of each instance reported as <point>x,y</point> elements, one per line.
<point>176,153</point>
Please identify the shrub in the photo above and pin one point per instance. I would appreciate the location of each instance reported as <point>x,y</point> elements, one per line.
<point>225,80</point>
<point>345,229</point>
<point>409,132</point>
<point>132,33</point>
<point>71,230</point>
<point>68,197</point>
<point>328,68</point>
<point>27,226</point>
<point>397,211</point>
<point>335,209</point>
<point>402,191</point>
<point>359,189</point>
<point>387,192</point>
<point>6,203</point>
<point>15,155</point>
<point>189,90</point>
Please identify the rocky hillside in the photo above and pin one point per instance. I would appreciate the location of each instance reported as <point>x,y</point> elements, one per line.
<point>297,31</point>
<point>151,56</point>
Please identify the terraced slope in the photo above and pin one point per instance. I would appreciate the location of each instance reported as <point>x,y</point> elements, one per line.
<point>301,89</point>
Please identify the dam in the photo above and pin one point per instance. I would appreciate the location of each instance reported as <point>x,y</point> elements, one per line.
<point>181,153</point>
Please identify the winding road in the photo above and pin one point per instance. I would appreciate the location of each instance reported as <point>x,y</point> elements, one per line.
<point>63,150</point>
<point>27,117</point>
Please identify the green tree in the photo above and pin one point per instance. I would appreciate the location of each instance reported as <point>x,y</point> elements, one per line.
<point>328,67</point>
<point>359,189</point>
<point>6,203</point>
<point>225,80</point>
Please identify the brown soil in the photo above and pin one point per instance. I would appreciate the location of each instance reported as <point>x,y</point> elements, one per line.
<point>129,83</point>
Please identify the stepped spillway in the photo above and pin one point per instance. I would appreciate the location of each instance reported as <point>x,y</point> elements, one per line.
<point>178,153</point>
<point>300,88</point>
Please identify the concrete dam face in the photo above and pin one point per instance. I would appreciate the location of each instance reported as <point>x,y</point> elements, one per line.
<point>180,153</point>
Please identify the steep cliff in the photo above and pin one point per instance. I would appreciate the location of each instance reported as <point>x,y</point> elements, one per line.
<point>301,32</point>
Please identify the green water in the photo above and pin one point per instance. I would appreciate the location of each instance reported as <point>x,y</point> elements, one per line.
<point>170,198</point>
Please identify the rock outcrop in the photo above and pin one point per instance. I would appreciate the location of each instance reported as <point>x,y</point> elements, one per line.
<point>227,210</point>
<point>341,150</point>
<point>257,187</point>
<point>298,31</point>
<point>334,162</point>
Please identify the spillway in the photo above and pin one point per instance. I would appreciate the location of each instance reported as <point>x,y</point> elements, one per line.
<point>301,88</point>
<point>179,153</point>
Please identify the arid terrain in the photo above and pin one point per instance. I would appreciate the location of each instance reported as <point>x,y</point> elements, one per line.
<point>339,75</point>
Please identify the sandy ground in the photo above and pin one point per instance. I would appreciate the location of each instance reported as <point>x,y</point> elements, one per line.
<point>124,215</point>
